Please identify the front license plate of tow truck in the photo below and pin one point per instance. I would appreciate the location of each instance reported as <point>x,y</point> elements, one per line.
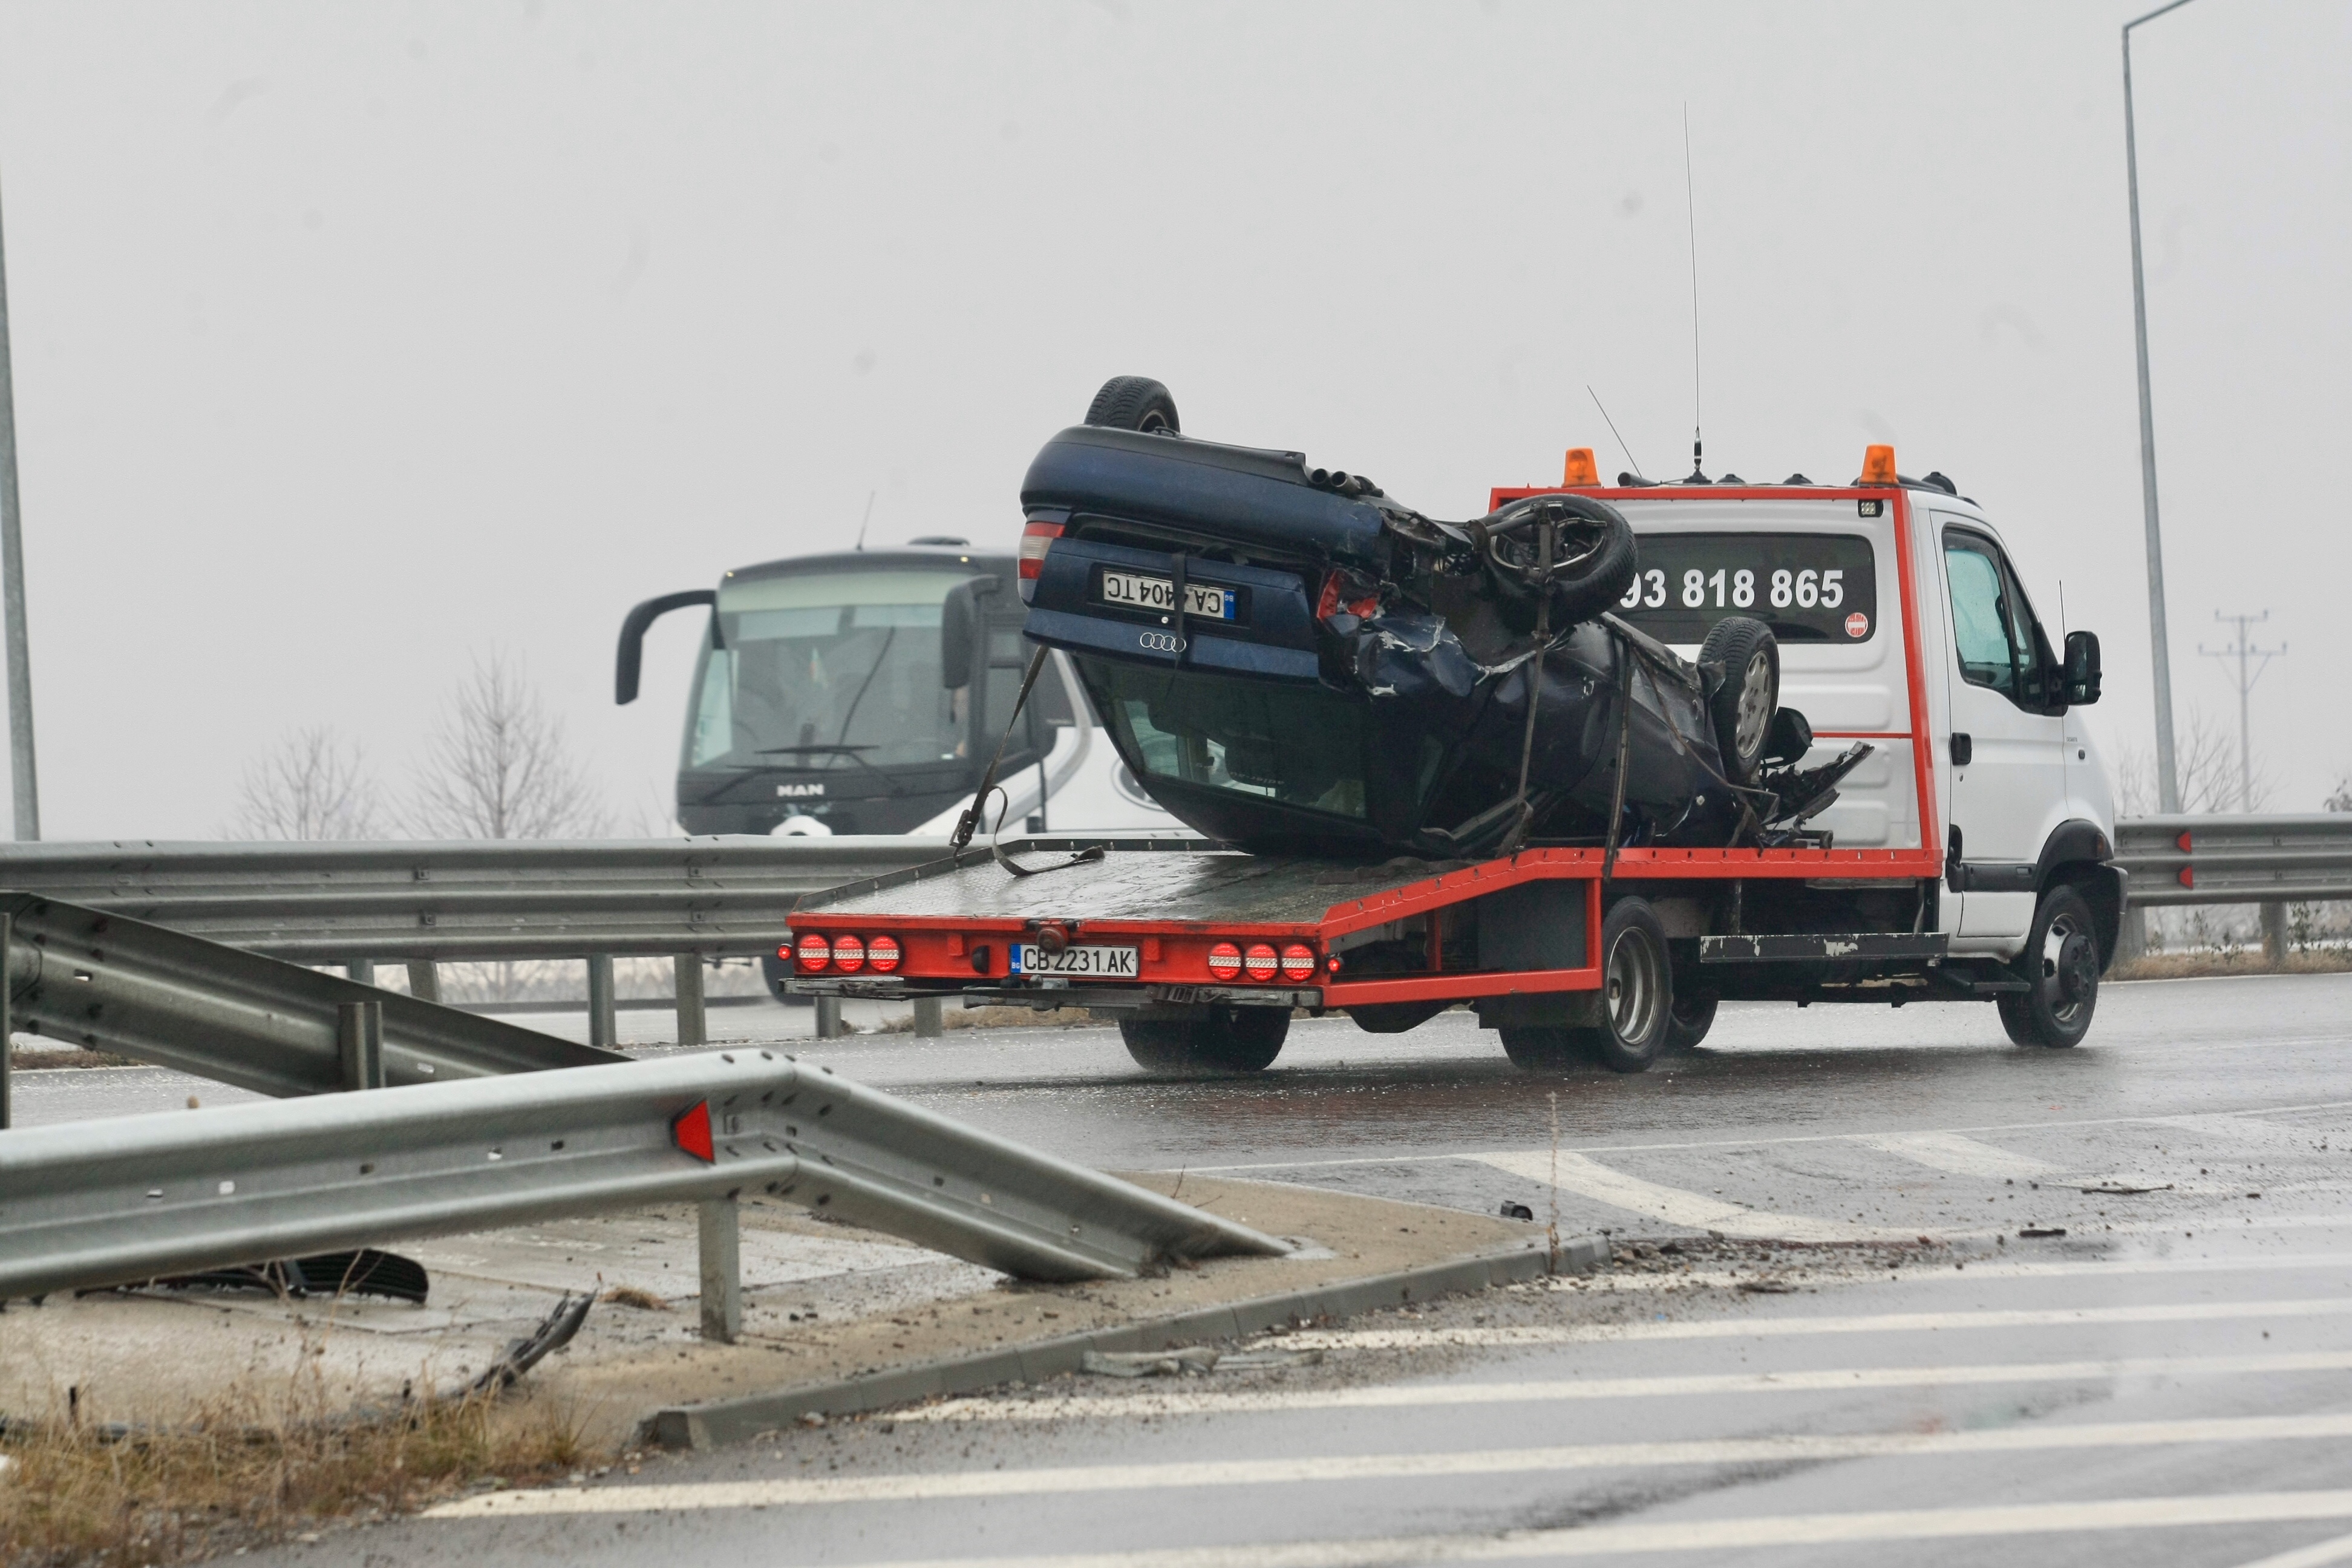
<point>1093,962</point>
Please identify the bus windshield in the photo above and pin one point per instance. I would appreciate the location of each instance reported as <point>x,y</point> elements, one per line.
<point>827,670</point>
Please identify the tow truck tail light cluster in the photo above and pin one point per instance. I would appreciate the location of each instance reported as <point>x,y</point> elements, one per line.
<point>814,953</point>
<point>1224,961</point>
<point>1299,962</point>
<point>1261,960</point>
<point>1035,539</point>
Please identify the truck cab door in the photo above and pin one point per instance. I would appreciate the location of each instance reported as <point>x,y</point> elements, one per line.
<point>2007,740</point>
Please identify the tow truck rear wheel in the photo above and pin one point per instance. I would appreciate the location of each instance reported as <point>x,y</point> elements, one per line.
<point>2061,962</point>
<point>1201,1041</point>
<point>1637,1001</point>
<point>1688,1019</point>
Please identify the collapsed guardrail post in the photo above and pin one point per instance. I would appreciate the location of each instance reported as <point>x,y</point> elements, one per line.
<point>693,1022</point>
<point>603,1028</point>
<point>718,1241</point>
<point>358,1042</point>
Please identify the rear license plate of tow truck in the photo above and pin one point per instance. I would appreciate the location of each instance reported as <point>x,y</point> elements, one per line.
<point>1099,963</point>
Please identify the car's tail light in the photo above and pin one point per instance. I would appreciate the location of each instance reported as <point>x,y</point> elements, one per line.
<point>1344,590</point>
<point>1224,961</point>
<point>813,953</point>
<point>1035,539</point>
<point>882,955</point>
<point>1297,962</point>
<point>848,954</point>
<point>1261,960</point>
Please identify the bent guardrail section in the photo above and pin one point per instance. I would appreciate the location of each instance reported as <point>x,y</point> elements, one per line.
<point>124,1199</point>
<point>101,979</point>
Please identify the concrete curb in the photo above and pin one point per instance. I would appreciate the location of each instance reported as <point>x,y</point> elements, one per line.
<point>722,1421</point>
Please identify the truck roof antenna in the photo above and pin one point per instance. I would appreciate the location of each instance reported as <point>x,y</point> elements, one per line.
<point>1613,430</point>
<point>866,519</point>
<point>1690,212</point>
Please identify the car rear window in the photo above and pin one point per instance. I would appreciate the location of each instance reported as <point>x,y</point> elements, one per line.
<point>1808,587</point>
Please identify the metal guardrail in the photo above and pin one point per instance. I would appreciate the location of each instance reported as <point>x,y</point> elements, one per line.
<point>101,979</point>
<point>482,899</point>
<point>2229,859</point>
<point>128,1198</point>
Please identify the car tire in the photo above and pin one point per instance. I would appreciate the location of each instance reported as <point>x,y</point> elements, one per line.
<point>1203,1042</point>
<point>774,970</point>
<point>1742,707</point>
<point>2060,966</point>
<point>1395,1017</point>
<point>1134,403</point>
<point>1688,1018</point>
<point>1598,582</point>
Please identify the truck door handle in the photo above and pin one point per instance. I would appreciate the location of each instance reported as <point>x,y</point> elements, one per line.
<point>1963,748</point>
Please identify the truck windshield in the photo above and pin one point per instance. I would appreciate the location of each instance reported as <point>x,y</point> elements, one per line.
<point>827,670</point>
<point>1302,747</point>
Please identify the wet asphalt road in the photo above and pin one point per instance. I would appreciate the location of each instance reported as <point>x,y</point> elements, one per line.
<point>2170,1381</point>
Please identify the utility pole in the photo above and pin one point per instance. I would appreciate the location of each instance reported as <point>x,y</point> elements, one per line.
<point>2243,651</point>
<point>2167,781</point>
<point>21,772</point>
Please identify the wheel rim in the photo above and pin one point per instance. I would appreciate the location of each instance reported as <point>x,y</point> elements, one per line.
<point>1634,987</point>
<point>2066,1009</point>
<point>1755,704</point>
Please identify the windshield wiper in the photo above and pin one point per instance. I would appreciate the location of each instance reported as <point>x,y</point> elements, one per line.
<point>855,754</point>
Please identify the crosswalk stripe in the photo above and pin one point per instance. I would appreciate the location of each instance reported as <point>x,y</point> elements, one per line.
<point>1873,1323</point>
<point>1714,1534</point>
<point>1155,1402</point>
<point>1281,1471</point>
<point>1961,1156</point>
<point>1674,1206</point>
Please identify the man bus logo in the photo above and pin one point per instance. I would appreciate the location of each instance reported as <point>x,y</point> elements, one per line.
<point>798,791</point>
<point>1160,642</point>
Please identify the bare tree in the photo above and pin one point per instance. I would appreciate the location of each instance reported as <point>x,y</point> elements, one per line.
<point>2205,765</point>
<point>498,766</point>
<point>2341,799</point>
<point>315,785</point>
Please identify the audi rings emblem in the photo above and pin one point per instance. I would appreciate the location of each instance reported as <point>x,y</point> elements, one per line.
<point>1160,642</point>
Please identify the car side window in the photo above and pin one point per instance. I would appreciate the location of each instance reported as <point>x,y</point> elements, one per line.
<point>1981,618</point>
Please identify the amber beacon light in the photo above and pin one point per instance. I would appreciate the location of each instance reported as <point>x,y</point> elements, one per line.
<point>1878,466</point>
<point>1581,469</point>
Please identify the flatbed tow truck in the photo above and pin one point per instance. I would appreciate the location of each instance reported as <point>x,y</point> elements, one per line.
<point>1967,855</point>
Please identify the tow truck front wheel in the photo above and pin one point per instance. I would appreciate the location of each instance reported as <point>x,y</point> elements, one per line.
<point>1203,1041</point>
<point>2060,966</point>
<point>1637,1000</point>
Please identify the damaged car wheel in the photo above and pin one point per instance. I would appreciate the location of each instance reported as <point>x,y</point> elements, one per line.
<point>1134,403</point>
<point>1207,1040</point>
<point>1743,706</point>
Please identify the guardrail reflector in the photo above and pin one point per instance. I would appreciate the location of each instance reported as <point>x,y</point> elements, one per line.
<point>2189,876</point>
<point>2186,848</point>
<point>690,1131</point>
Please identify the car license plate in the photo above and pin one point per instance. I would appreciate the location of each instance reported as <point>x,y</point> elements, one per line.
<point>1136,592</point>
<point>1096,963</point>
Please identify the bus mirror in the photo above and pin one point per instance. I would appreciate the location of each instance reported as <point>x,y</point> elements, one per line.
<point>2081,668</point>
<point>630,659</point>
<point>958,631</point>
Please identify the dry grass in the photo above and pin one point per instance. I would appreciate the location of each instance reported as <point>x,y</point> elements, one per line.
<point>2249,960</point>
<point>259,1466</point>
<point>631,1296</point>
<point>39,1059</point>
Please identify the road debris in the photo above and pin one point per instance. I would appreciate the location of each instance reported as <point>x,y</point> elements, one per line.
<point>2118,1189</point>
<point>2033,1231</point>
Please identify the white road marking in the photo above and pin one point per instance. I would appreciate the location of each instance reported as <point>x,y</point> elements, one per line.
<point>1152,1402</point>
<point>1873,1323</point>
<point>1935,1268</point>
<point>1711,1534</point>
<point>1783,1450</point>
<point>2316,1555</point>
<point>1961,1156</point>
<point>1675,1206</point>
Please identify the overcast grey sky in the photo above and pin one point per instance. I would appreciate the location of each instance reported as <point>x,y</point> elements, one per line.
<point>353,340</point>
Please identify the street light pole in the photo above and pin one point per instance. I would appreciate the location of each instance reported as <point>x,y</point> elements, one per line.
<point>22,776</point>
<point>2168,783</point>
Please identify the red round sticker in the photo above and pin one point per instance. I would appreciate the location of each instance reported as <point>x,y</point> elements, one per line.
<point>1857,625</point>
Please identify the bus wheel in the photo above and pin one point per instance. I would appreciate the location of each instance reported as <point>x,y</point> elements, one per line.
<point>1688,1019</point>
<point>1201,1041</point>
<point>2061,962</point>
<point>1637,989</point>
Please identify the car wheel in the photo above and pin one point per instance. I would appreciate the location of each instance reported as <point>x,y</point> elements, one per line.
<point>2060,968</point>
<point>1134,403</point>
<point>1206,1041</point>
<point>1742,707</point>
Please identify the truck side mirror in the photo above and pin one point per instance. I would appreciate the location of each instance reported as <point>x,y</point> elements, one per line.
<point>2081,668</point>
